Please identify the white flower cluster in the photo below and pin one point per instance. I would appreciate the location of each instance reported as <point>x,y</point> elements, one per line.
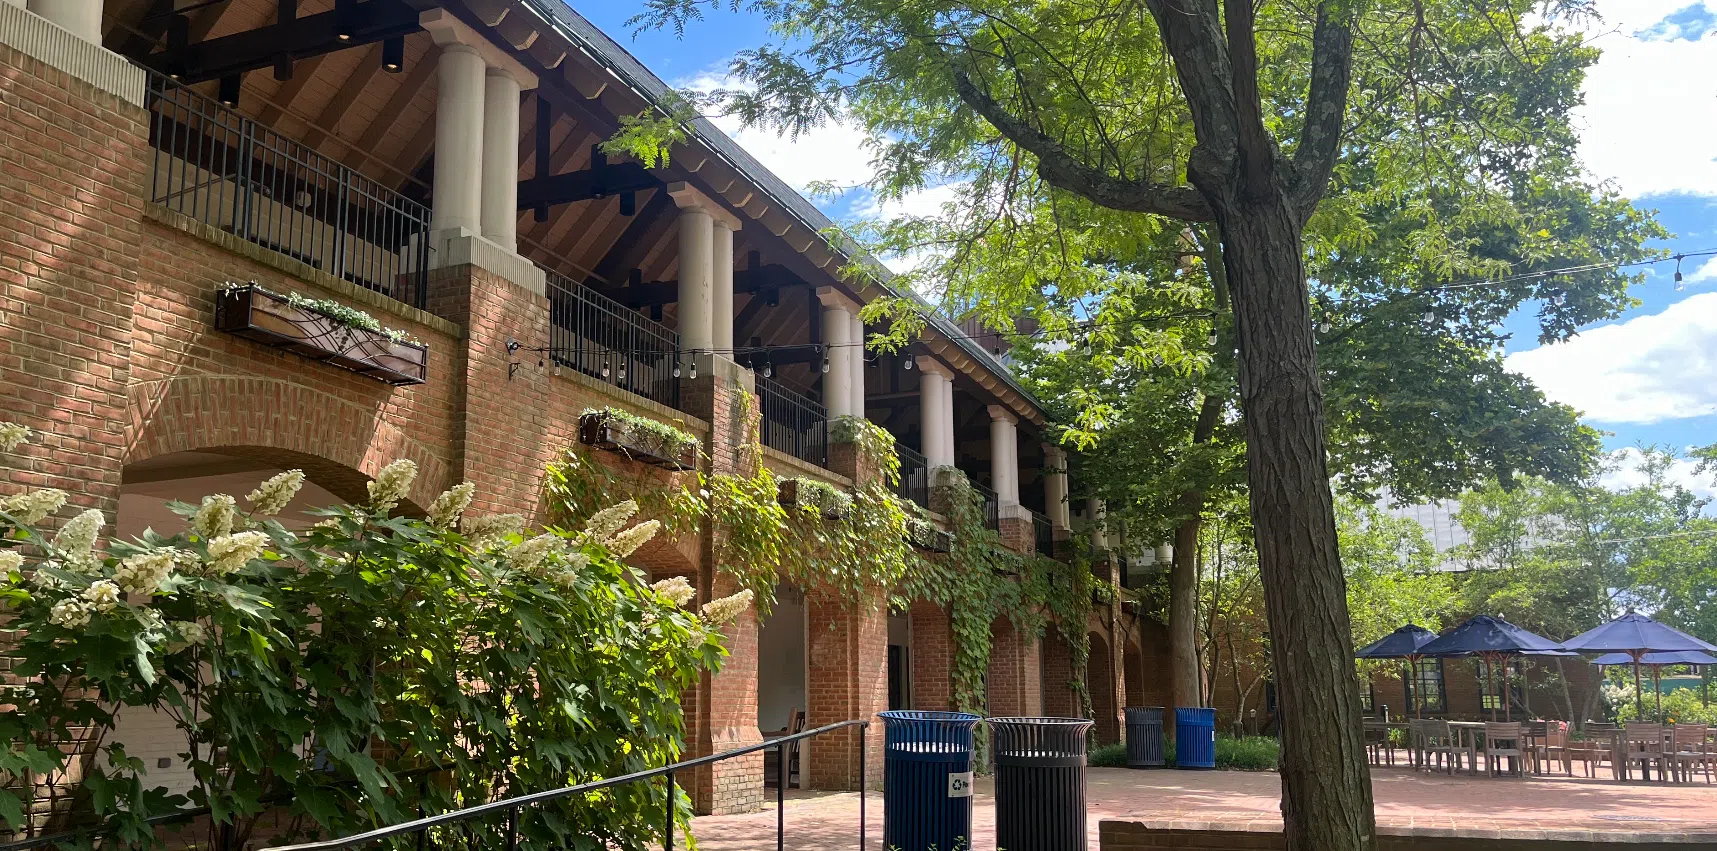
<point>628,542</point>
<point>487,530</point>
<point>272,497</point>
<point>214,517</point>
<point>43,579</point>
<point>392,484</point>
<point>10,560</point>
<point>76,539</point>
<point>546,557</point>
<point>102,595</point>
<point>445,511</point>
<point>725,610</point>
<point>603,524</point>
<point>13,435</point>
<point>190,632</point>
<point>229,553</point>
<point>30,507</point>
<point>675,590</point>
<point>143,573</point>
<point>70,613</point>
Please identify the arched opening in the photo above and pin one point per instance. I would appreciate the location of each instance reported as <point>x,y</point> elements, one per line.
<point>146,489</point>
<point>781,676</point>
<point>1100,685</point>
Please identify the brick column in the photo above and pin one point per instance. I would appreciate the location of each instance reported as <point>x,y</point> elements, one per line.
<point>75,141</point>
<point>1059,699</point>
<point>721,711</point>
<point>847,656</point>
<point>932,656</point>
<point>1016,671</point>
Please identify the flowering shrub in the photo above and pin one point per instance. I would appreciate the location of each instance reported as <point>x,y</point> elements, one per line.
<point>316,668</point>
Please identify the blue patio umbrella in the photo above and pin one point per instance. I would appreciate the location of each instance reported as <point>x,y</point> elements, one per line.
<point>1403,643</point>
<point>1636,635</point>
<point>1493,640</point>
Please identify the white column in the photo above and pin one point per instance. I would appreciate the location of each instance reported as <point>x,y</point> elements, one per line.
<point>855,362</point>
<point>1100,517</point>
<point>721,303</point>
<point>936,407</point>
<point>837,338</point>
<point>500,191</point>
<point>81,18</point>
<point>458,190</point>
<point>1004,455</point>
<point>1055,486</point>
<point>697,233</point>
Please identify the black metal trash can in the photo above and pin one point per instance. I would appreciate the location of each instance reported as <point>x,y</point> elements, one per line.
<point>1040,783</point>
<point>1145,737</point>
<point>927,780</point>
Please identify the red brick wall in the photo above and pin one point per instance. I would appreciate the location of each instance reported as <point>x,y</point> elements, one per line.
<point>1059,699</point>
<point>72,171</point>
<point>932,656</point>
<point>1015,676</point>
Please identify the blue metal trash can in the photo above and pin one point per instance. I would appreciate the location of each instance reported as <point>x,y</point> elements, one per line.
<point>927,780</point>
<point>1194,737</point>
<point>1144,737</point>
<point>1040,783</point>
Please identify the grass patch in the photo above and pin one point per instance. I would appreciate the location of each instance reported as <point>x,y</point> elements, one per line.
<point>1108,756</point>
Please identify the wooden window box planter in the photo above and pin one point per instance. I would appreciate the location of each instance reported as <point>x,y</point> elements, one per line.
<point>931,540</point>
<point>256,314</point>
<point>791,494</point>
<point>603,431</point>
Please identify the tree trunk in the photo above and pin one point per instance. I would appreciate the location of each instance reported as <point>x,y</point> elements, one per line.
<point>1326,787</point>
<point>1184,675</point>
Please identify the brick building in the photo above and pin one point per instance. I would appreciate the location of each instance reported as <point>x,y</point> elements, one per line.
<point>432,163</point>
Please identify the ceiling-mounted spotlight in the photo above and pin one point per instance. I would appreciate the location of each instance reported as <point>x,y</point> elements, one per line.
<point>628,203</point>
<point>283,67</point>
<point>228,94</point>
<point>393,54</point>
<point>343,15</point>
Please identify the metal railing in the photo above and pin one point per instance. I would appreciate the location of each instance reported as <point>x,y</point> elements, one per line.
<point>992,506</point>
<point>1043,533</point>
<point>220,168</point>
<point>793,423</point>
<point>605,339</point>
<point>511,808</point>
<point>914,485</point>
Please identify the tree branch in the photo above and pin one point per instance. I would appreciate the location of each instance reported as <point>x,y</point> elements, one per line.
<point>1326,109</point>
<point>1065,171</point>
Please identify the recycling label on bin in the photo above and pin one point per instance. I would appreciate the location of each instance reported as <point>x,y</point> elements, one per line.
<point>960,784</point>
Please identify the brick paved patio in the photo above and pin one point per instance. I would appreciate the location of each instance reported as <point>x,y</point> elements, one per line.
<point>1231,798</point>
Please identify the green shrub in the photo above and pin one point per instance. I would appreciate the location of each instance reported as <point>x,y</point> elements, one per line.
<point>1681,706</point>
<point>1248,753</point>
<point>1108,756</point>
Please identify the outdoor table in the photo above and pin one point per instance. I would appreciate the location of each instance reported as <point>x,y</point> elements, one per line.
<point>1618,751</point>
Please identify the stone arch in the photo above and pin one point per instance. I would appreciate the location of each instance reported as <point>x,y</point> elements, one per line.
<point>1100,685</point>
<point>339,443</point>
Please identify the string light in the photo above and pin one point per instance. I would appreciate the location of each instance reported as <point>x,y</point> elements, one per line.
<point>768,369</point>
<point>1679,284</point>
<point>1212,337</point>
<point>694,369</point>
<point>604,367</point>
<point>825,364</point>
<point>906,363</point>
<point>621,375</point>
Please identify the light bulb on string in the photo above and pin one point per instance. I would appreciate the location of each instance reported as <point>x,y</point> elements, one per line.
<point>1323,327</point>
<point>676,369</point>
<point>622,372</point>
<point>694,368</point>
<point>1430,316</point>
<point>825,364</point>
<point>1212,338</point>
<point>906,363</point>
<point>1679,283</point>
<point>605,368</point>
<point>768,369</point>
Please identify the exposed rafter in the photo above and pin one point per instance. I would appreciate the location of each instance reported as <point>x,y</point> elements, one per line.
<point>347,25</point>
<point>759,280</point>
<point>600,180</point>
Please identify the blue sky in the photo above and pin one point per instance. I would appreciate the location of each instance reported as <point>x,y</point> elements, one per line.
<point>1649,126</point>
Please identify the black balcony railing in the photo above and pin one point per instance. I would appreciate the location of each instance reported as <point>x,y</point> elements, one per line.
<point>914,483</point>
<point>220,168</point>
<point>992,506</point>
<point>605,339</point>
<point>1043,532</point>
<point>793,423</point>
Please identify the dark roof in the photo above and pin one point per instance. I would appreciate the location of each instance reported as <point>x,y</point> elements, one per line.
<point>633,73</point>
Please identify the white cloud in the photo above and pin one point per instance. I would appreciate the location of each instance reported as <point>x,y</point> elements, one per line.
<point>1648,120</point>
<point>1706,272</point>
<point>1651,368</point>
<point>829,153</point>
<point>1627,474</point>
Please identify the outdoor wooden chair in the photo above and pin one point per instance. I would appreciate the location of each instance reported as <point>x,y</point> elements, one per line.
<point>1551,748</point>
<point>1643,744</point>
<point>1505,740</point>
<point>1378,747</point>
<point>1438,745</point>
<point>1689,750</point>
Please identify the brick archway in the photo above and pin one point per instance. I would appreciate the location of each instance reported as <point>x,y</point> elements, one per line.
<point>338,443</point>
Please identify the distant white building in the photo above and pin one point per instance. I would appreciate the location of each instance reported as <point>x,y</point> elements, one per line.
<point>1438,518</point>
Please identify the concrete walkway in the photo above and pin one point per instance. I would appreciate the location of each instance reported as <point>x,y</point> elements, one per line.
<point>829,820</point>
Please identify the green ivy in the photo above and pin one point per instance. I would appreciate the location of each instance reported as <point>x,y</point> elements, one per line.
<point>653,436</point>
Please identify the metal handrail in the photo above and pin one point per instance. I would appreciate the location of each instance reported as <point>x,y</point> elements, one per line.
<point>1043,534</point>
<point>992,506</point>
<point>511,806</point>
<point>607,340</point>
<point>914,483</point>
